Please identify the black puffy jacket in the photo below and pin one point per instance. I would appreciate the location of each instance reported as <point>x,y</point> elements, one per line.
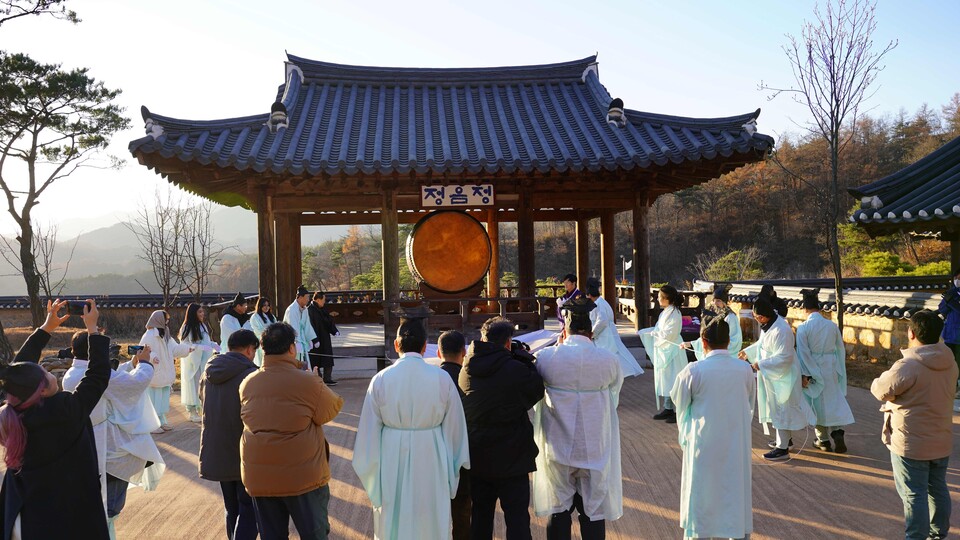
<point>499,388</point>
<point>222,428</point>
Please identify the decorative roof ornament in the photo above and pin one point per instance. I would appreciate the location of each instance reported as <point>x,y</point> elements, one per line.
<point>615,116</point>
<point>152,128</point>
<point>750,127</point>
<point>278,117</point>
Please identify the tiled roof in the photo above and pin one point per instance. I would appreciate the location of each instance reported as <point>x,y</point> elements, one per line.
<point>354,119</point>
<point>925,194</point>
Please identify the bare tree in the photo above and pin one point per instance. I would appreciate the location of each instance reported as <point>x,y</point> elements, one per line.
<point>834,65</point>
<point>201,252</point>
<point>161,229</point>
<point>14,9</point>
<point>53,277</point>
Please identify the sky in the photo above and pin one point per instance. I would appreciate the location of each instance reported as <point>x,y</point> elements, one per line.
<point>209,59</point>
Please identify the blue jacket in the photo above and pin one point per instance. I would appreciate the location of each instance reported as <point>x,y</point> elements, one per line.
<point>950,307</point>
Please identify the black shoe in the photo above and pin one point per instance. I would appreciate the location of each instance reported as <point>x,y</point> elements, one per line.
<point>824,445</point>
<point>777,454</point>
<point>672,419</point>
<point>841,446</point>
<point>773,444</point>
<point>664,414</point>
<point>331,382</point>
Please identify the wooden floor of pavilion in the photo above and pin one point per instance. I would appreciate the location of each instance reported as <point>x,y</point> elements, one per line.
<point>815,495</point>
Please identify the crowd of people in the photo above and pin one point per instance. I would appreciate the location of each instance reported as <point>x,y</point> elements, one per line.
<point>437,448</point>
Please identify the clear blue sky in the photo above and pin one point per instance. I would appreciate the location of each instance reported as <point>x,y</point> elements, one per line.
<point>202,59</point>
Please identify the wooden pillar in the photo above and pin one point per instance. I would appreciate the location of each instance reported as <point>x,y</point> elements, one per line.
<point>608,266</point>
<point>641,258</point>
<point>389,232</point>
<point>266,248</point>
<point>493,231</point>
<point>583,250</point>
<point>284,258</point>
<point>525,247</point>
<point>296,244</point>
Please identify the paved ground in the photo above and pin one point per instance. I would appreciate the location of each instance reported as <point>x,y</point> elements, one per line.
<point>816,495</point>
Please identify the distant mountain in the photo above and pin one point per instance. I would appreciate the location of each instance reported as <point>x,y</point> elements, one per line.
<point>112,251</point>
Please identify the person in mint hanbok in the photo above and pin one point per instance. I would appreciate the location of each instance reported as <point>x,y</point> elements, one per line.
<point>605,334</point>
<point>297,316</point>
<point>577,429</point>
<point>779,392</point>
<point>411,443</point>
<point>234,318</point>
<point>714,398</point>
<point>665,347</point>
<point>163,350</point>
<point>195,332</point>
<point>823,367</point>
<point>259,321</point>
<point>720,299</point>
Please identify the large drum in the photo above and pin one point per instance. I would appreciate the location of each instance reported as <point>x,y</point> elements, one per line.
<point>449,251</point>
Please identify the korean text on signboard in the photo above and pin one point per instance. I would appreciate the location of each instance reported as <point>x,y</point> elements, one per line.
<point>447,196</point>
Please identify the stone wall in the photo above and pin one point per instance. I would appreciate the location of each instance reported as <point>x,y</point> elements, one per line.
<point>867,337</point>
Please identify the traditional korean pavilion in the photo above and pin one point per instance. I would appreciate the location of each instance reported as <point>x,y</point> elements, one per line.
<point>922,198</point>
<point>362,145</point>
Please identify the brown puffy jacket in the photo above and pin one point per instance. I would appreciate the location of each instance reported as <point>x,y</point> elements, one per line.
<point>918,410</point>
<point>283,451</point>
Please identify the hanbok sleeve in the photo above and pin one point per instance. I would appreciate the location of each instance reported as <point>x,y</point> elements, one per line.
<point>698,351</point>
<point>753,352</point>
<point>736,335</point>
<point>179,350</point>
<point>841,362</point>
<point>668,335</point>
<point>454,429</point>
<point>808,363</point>
<point>366,448</point>
<point>599,321</point>
<point>682,395</point>
<point>781,354</point>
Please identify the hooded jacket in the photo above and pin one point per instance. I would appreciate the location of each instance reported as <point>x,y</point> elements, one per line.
<point>498,390</point>
<point>918,410</point>
<point>950,309</point>
<point>222,428</point>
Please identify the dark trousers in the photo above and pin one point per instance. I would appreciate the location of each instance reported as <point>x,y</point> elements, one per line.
<point>558,527</point>
<point>308,511</point>
<point>238,506</point>
<point>460,508</point>
<point>116,495</point>
<point>514,495</point>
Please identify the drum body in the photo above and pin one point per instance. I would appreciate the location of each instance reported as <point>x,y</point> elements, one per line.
<point>449,251</point>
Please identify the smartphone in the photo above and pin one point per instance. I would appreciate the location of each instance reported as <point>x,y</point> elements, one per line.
<point>132,350</point>
<point>75,307</point>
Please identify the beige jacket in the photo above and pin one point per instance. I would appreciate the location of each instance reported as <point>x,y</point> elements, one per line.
<point>918,402</point>
<point>283,451</point>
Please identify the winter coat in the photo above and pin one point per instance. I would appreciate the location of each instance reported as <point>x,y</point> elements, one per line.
<point>499,388</point>
<point>918,410</point>
<point>323,327</point>
<point>950,308</point>
<point>222,428</point>
<point>283,452</point>
<point>60,469</point>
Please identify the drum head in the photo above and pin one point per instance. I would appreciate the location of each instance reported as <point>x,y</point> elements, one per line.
<point>449,250</point>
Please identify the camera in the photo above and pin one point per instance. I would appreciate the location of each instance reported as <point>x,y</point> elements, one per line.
<point>75,307</point>
<point>133,350</point>
<point>521,351</point>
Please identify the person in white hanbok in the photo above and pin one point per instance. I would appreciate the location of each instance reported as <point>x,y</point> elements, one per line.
<point>163,350</point>
<point>411,443</point>
<point>665,347</point>
<point>823,365</point>
<point>577,430</point>
<point>124,444</point>
<point>196,333</point>
<point>779,392</point>
<point>605,334</point>
<point>297,316</point>
<point>714,398</point>
<point>234,318</point>
<point>261,319</point>
<point>720,299</point>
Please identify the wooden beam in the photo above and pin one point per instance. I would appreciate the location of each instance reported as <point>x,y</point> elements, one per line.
<point>373,218</point>
<point>266,247</point>
<point>608,266</point>
<point>583,250</point>
<point>493,276</point>
<point>641,258</point>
